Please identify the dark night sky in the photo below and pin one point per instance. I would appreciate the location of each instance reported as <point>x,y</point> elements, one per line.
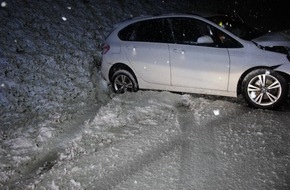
<point>269,14</point>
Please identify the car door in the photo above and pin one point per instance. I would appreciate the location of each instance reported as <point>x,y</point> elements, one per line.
<point>146,49</point>
<point>197,59</point>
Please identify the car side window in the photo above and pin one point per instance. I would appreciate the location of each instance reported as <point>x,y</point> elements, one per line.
<point>225,41</point>
<point>191,31</point>
<point>147,31</point>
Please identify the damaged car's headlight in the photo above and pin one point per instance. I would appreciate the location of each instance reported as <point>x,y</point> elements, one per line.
<point>278,49</point>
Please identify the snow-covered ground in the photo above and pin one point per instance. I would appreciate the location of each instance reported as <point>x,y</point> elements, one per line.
<point>154,140</point>
<point>61,128</point>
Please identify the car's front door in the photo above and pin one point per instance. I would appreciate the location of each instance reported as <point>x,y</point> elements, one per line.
<point>196,59</point>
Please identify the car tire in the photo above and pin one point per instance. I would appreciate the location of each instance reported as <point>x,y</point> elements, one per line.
<point>123,81</point>
<point>264,88</point>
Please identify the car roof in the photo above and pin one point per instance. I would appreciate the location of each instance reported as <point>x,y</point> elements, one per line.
<point>170,15</point>
<point>200,16</point>
<point>149,17</point>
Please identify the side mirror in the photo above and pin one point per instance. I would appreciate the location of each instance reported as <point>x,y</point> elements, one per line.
<point>205,40</point>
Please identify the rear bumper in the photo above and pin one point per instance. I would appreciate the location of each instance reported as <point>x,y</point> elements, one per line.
<point>105,69</point>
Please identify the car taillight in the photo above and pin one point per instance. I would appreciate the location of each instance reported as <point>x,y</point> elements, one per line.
<point>106,48</point>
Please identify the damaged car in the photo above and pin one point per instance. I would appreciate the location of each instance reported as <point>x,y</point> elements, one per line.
<point>195,54</point>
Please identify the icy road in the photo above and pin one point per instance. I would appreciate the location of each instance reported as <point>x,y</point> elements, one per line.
<point>155,140</point>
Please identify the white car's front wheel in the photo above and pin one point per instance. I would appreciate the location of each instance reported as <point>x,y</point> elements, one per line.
<point>264,88</point>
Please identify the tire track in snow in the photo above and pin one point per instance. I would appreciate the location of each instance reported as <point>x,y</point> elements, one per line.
<point>199,167</point>
<point>110,166</point>
<point>144,155</point>
<point>45,160</point>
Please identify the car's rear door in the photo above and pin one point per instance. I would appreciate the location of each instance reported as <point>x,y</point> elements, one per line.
<point>197,62</point>
<point>146,48</point>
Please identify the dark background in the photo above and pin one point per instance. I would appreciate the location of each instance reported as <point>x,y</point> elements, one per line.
<point>263,14</point>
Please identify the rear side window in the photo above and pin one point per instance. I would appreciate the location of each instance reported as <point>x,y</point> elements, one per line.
<point>155,30</point>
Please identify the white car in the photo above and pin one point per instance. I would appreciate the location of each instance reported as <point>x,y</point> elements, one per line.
<point>193,54</point>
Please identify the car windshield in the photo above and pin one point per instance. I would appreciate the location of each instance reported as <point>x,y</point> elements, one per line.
<point>236,27</point>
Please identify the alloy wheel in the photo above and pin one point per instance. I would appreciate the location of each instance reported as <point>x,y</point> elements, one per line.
<point>264,89</point>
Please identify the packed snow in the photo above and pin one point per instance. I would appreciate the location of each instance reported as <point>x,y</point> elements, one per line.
<point>154,140</point>
<point>62,128</point>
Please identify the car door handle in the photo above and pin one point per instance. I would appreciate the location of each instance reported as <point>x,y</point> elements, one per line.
<point>130,47</point>
<point>181,51</point>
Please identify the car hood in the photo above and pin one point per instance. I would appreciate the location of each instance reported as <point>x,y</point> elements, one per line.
<point>274,39</point>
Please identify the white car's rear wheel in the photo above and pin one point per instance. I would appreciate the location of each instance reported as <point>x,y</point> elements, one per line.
<point>264,88</point>
<point>123,81</point>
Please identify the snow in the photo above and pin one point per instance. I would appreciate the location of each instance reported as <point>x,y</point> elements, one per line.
<point>62,128</point>
<point>158,140</point>
<point>3,4</point>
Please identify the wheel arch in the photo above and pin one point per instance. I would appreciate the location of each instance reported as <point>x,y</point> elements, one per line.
<point>239,86</point>
<point>118,66</point>
<point>287,78</point>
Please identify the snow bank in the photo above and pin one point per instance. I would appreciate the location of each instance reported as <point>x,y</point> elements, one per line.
<point>46,62</point>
